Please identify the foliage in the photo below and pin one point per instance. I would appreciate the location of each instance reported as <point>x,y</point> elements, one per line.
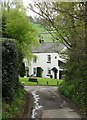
<point>10,63</point>
<point>66,21</point>
<point>76,91</point>
<point>1,107</point>
<point>39,72</point>
<point>32,79</point>
<point>41,81</point>
<point>62,18</point>
<point>22,70</point>
<point>41,30</point>
<point>15,108</point>
<point>15,25</point>
<point>69,20</point>
<point>19,29</point>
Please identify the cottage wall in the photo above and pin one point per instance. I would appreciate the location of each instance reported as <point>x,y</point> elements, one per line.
<point>42,61</point>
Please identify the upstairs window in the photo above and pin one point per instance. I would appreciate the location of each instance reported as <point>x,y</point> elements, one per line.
<point>49,59</point>
<point>34,59</point>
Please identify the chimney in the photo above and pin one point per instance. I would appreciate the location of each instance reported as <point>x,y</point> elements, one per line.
<point>41,39</point>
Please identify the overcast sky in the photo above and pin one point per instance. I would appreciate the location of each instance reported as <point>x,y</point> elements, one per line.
<point>29,12</point>
<point>26,2</point>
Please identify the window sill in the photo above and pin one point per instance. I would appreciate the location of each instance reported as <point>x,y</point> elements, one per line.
<point>48,62</point>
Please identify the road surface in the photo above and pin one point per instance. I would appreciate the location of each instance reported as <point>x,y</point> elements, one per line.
<point>48,103</point>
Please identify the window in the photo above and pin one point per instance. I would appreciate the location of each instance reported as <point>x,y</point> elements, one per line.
<point>55,57</point>
<point>34,70</point>
<point>49,71</point>
<point>49,59</point>
<point>34,60</point>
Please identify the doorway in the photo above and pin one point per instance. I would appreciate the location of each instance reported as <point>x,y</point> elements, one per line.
<point>55,74</point>
<point>54,69</point>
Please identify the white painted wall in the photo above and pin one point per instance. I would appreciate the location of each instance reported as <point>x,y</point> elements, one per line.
<point>42,62</point>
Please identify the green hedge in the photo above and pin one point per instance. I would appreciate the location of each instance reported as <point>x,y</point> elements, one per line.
<point>76,91</point>
<point>10,64</point>
<point>16,107</point>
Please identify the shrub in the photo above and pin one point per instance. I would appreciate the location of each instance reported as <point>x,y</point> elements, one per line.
<point>76,91</point>
<point>10,63</point>
<point>32,79</point>
<point>39,72</point>
<point>10,111</point>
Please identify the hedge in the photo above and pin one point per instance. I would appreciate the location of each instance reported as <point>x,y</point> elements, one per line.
<point>10,63</point>
<point>76,91</point>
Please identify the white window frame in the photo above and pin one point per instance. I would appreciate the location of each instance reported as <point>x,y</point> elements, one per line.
<point>48,58</point>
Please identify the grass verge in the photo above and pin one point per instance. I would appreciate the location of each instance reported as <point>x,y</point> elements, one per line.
<point>41,81</point>
<point>76,92</point>
<point>14,109</point>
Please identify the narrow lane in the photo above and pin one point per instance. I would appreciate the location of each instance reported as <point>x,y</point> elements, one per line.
<point>48,103</point>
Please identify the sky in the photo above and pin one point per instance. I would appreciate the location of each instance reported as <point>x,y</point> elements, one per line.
<point>29,12</point>
<point>26,2</point>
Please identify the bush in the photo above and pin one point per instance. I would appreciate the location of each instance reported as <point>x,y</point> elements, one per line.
<point>10,63</point>
<point>32,79</point>
<point>15,108</point>
<point>39,72</point>
<point>76,91</point>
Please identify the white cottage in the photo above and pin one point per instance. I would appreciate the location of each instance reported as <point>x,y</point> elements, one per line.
<point>46,56</point>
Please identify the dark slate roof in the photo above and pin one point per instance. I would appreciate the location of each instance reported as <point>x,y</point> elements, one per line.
<point>48,47</point>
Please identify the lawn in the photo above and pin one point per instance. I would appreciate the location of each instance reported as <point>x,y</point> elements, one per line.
<point>41,81</point>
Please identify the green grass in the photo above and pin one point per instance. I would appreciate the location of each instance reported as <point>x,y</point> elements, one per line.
<point>41,81</point>
<point>40,29</point>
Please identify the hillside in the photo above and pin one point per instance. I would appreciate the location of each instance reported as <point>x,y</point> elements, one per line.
<point>41,31</point>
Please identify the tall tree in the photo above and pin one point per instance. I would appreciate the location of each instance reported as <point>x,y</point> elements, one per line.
<point>67,20</point>
<point>16,25</point>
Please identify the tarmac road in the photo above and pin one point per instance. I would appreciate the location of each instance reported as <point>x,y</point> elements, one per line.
<point>48,103</point>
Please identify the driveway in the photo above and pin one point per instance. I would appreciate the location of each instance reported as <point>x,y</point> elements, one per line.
<point>48,103</point>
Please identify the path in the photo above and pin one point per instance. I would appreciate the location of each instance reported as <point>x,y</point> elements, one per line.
<point>48,103</point>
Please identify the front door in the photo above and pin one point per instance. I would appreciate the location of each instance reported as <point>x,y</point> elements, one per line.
<point>55,74</point>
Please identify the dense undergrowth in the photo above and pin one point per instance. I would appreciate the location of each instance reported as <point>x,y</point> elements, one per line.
<point>14,109</point>
<point>12,90</point>
<point>75,91</point>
